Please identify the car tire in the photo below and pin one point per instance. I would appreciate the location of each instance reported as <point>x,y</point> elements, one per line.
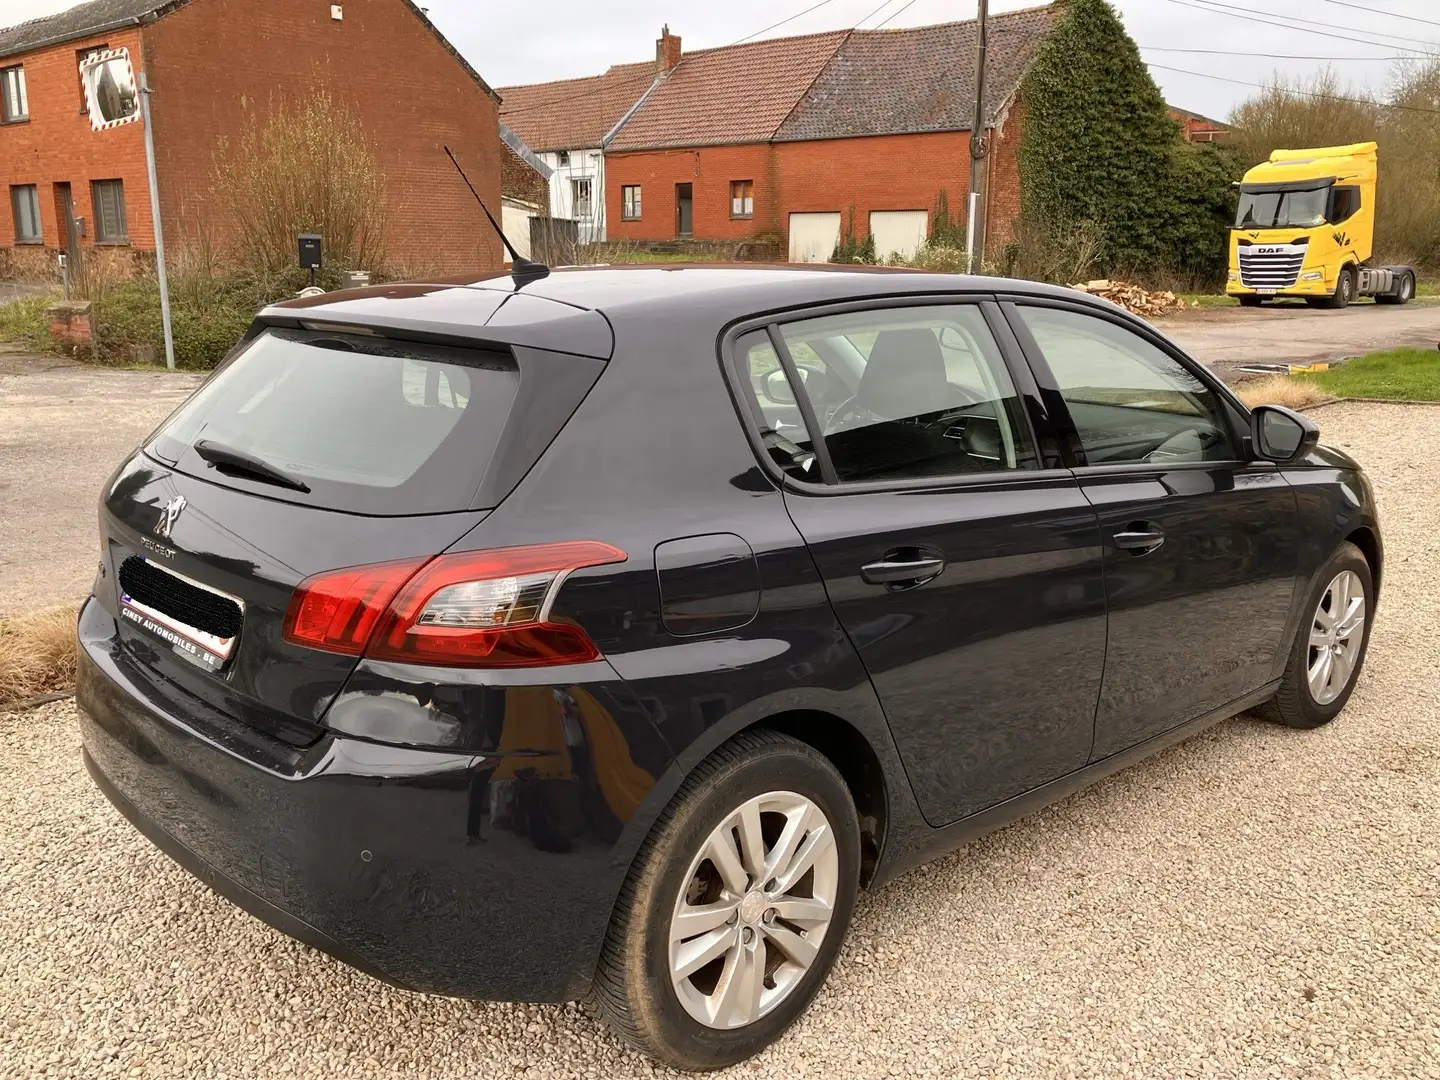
<point>1404,291</point>
<point>1344,291</point>
<point>639,981</point>
<point>1296,703</point>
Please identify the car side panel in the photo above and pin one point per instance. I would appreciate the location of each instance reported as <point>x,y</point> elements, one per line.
<point>657,453</point>
<point>1334,499</point>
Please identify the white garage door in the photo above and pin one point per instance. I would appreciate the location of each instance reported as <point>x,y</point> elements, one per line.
<point>898,232</point>
<point>813,237</point>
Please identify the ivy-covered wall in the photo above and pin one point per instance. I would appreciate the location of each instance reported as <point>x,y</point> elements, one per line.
<point>1102,151</point>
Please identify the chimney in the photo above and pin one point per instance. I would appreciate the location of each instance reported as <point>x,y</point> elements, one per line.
<point>667,51</point>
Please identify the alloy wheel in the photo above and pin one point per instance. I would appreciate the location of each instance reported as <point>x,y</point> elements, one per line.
<point>1337,631</point>
<point>753,909</point>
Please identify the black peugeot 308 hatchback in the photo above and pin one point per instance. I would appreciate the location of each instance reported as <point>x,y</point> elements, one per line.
<point>599,636</point>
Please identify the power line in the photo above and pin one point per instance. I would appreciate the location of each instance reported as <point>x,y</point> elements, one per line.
<point>1301,93</point>
<point>892,16</point>
<point>1235,13</point>
<point>883,4</point>
<point>1378,11</point>
<point>1265,55</point>
<point>1292,20</point>
<point>782,22</point>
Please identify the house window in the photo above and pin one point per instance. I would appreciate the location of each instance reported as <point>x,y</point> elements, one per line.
<point>742,198</point>
<point>630,202</point>
<point>562,158</point>
<point>108,197</point>
<point>81,55</point>
<point>580,196</point>
<point>26,204</point>
<point>13,103</point>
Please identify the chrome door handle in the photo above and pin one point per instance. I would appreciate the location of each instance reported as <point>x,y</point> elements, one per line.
<point>893,571</point>
<point>1140,537</point>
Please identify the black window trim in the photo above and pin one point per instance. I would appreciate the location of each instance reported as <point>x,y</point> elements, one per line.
<point>1236,414</point>
<point>1036,415</point>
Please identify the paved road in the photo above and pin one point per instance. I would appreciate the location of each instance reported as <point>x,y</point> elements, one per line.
<point>1226,338</point>
<point>63,429</point>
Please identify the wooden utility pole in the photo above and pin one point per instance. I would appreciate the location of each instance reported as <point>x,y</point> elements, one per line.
<point>974,219</point>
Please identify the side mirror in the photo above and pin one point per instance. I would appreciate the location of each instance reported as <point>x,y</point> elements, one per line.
<point>1280,434</point>
<point>776,388</point>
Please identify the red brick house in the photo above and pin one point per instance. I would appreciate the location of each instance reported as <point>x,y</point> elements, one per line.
<point>802,137</point>
<point>215,67</point>
<point>1197,128</point>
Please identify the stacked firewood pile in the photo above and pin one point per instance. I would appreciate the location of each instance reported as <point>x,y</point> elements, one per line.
<point>1132,297</point>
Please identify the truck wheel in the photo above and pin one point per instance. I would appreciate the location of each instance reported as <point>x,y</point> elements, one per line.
<point>1404,291</point>
<point>1344,291</point>
<point>1249,300</point>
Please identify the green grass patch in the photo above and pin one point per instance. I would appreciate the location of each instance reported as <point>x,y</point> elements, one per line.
<point>1404,374</point>
<point>24,321</point>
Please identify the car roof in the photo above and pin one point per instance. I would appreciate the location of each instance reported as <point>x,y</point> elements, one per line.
<point>573,308</point>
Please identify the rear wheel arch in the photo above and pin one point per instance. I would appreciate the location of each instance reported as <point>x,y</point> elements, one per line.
<point>1365,539</point>
<point>846,747</point>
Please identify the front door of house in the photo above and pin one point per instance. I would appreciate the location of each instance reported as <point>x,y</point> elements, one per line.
<point>65,217</point>
<point>684,220</point>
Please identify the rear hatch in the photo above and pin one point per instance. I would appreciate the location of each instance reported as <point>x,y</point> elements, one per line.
<point>310,450</point>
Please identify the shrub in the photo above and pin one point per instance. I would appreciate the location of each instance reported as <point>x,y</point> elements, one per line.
<point>850,250</point>
<point>308,169</point>
<point>1101,152</point>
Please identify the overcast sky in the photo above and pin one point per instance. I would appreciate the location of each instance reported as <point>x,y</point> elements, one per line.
<point>518,41</point>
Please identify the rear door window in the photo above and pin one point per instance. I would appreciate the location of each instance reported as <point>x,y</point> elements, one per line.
<point>368,424</point>
<point>899,394</point>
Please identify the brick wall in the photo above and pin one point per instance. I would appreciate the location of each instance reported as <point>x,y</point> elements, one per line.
<point>519,181</point>
<point>888,172</point>
<point>709,172</point>
<point>1002,214</point>
<point>218,67</point>
<point>56,146</point>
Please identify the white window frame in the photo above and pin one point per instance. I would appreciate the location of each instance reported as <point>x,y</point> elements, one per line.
<point>31,194</point>
<point>630,202</point>
<point>14,103</point>
<point>742,206</point>
<point>577,185</point>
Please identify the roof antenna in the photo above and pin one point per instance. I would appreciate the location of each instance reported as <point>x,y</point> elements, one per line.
<point>522,270</point>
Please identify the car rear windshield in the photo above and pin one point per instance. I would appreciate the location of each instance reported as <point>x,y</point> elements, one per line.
<point>368,424</point>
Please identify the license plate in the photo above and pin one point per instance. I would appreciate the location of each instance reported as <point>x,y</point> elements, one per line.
<point>1267,292</point>
<point>189,642</point>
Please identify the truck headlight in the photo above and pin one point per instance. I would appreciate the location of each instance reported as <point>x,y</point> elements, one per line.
<point>1313,275</point>
<point>1234,275</point>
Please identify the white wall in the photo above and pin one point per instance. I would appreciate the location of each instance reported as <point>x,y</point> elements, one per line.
<point>515,220</point>
<point>583,164</point>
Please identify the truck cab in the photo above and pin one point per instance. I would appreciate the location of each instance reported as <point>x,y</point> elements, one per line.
<point>1305,227</point>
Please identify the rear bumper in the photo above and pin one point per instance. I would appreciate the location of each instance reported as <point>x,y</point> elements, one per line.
<point>456,873</point>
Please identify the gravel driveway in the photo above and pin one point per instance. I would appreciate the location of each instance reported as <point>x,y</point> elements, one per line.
<point>1256,902</point>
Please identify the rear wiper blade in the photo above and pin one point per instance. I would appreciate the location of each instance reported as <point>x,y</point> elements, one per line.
<point>228,457</point>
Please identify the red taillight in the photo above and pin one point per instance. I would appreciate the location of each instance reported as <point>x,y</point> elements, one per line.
<point>337,611</point>
<point>469,609</point>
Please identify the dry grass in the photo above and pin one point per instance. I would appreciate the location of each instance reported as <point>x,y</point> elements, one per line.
<point>1284,390</point>
<point>37,654</point>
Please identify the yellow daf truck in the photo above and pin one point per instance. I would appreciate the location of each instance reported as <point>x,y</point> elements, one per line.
<point>1306,226</point>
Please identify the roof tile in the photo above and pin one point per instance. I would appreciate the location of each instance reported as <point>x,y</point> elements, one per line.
<point>573,113</point>
<point>733,94</point>
<point>884,82</point>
